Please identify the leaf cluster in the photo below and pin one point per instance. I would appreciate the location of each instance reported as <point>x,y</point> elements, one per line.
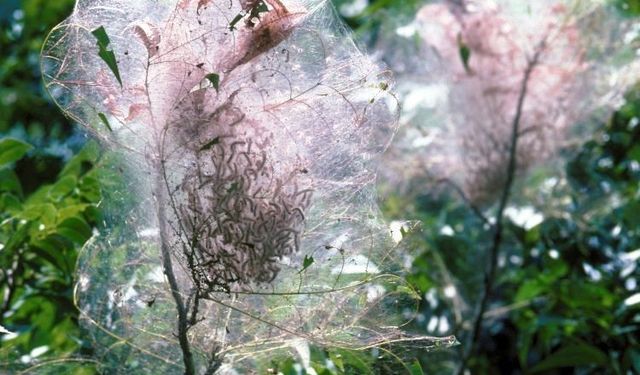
<point>40,233</point>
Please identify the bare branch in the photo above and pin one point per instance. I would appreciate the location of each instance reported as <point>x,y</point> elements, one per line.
<point>498,229</point>
<point>167,265</point>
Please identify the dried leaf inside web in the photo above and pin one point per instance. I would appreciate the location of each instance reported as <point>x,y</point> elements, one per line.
<point>149,36</point>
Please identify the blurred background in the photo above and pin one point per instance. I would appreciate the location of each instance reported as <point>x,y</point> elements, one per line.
<point>563,295</point>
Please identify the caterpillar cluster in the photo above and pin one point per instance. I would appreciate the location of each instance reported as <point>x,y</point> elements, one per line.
<point>239,218</point>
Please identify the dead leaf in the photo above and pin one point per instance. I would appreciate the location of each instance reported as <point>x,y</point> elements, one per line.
<point>149,36</point>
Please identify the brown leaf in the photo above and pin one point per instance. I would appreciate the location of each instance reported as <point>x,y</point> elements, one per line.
<point>202,3</point>
<point>276,25</point>
<point>135,110</point>
<point>149,35</point>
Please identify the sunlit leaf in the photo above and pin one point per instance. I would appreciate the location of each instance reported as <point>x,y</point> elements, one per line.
<point>62,188</point>
<point>12,150</point>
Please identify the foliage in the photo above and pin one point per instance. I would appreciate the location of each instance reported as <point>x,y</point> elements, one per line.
<point>40,233</point>
<point>37,277</point>
<point>25,111</point>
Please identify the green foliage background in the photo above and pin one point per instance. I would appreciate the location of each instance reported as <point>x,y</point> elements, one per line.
<point>47,200</point>
<point>559,303</point>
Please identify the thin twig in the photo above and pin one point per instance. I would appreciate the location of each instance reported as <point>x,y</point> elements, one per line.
<point>167,265</point>
<point>490,274</point>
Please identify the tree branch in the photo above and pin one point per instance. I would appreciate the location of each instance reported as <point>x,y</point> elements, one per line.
<point>494,250</point>
<point>167,265</point>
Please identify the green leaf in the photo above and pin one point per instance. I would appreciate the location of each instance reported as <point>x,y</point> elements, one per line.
<point>257,9</point>
<point>90,189</point>
<point>72,210</point>
<point>629,7</point>
<point>10,204</point>
<point>260,8</point>
<point>9,182</point>
<point>210,144</point>
<point>410,292</point>
<point>357,362</point>
<point>83,161</point>
<point>75,229</point>
<point>12,150</point>
<point>44,212</point>
<point>104,120</point>
<point>416,369</point>
<point>530,289</point>
<point>52,250</point>
<point>465,53</point>
<point>110,59</point>
<point>337,360</point>
<point>579,354</point>
<point>101,35</point>
<point>234,21</point>
<point>634,153</point>
<point>106,55</point>
<point>62,188</point>
<point>214,78</point>
<point>306,263</point>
